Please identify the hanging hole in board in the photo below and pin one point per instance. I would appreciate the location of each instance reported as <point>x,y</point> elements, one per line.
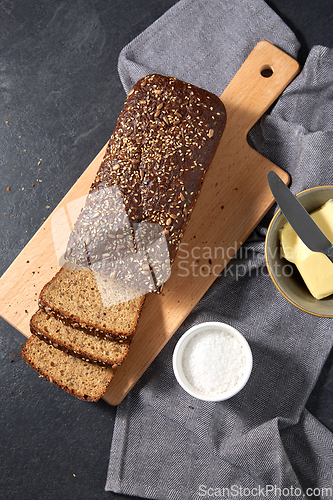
<point>267,71</point>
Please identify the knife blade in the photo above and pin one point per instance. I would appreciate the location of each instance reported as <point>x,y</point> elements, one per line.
<point>299,219</point>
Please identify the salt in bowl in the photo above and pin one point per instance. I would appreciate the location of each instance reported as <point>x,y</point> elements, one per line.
<point>212,361</point>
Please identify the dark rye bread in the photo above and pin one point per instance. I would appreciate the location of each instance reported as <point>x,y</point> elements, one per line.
<point>77,342</point>
<point>73,296</point>
<point>162,145</point>
<point>84,380</point>
<point>104,241</point>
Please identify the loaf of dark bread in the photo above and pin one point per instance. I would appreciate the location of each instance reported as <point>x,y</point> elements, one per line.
<point>133,221</point>
<point>150,177</point>
<point>163,143</point>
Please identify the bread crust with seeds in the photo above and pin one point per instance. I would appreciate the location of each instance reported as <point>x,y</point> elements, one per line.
<point>76,342</point>
<point>164,141</point>
<point>73,297</point>
<point>79,378</point>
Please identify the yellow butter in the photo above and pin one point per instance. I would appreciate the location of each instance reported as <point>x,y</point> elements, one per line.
<point>315,268</point>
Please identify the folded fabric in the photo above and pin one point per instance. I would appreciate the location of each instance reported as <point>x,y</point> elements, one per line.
<point>262,442</point>
<point>203,43</point>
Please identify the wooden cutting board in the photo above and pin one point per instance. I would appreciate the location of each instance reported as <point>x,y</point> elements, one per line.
<point>234,198</point>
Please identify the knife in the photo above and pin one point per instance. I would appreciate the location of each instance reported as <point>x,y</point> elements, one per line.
<point>299,219</point>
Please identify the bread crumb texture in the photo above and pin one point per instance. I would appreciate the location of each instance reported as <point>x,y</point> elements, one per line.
<point>74,296</point>
<point>84,380</point>
<point>78,342</point>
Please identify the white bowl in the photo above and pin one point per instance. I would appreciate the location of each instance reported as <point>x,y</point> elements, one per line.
<point>244,353</point>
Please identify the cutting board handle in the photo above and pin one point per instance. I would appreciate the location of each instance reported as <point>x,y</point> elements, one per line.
<point>260,80</point>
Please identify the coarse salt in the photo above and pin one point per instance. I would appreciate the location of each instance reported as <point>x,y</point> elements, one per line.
<point>214,362</point>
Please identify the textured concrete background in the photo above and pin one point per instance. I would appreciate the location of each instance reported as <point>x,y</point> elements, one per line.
<point>60,96</point>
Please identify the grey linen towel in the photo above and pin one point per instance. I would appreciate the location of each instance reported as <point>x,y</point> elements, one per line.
<point>262,443</point>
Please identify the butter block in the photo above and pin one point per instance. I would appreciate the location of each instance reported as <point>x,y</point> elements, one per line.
<point>315,268</point>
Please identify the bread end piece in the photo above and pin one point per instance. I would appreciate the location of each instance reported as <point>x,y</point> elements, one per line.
<point>79,378</point>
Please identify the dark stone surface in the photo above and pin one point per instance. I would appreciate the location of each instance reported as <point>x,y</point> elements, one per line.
<point>60,96</point>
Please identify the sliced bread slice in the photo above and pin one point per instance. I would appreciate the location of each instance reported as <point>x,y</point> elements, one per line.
<point>77,342</point>
<point>74,297</point>
<point>84,380</point>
